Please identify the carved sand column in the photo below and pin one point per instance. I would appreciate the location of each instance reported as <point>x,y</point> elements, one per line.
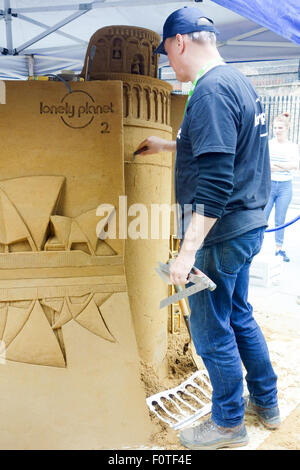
<point>148,181</point>
<point>146,111</point>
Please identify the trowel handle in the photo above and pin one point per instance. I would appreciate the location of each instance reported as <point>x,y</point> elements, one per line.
<point>184,309</point>
<point>138,151</point>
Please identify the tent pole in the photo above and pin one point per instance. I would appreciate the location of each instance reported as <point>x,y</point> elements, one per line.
<point>91,5</point>
<point>30,65</point>
<point>45,26</point>
<point>50,30</point>
<point>7,18</point>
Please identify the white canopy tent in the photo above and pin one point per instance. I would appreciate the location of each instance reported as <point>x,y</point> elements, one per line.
<point>42,37</point>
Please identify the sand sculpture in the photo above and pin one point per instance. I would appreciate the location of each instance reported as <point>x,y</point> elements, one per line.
<point>69,368</point>
<point>77,312</point>
<point>126,53</point>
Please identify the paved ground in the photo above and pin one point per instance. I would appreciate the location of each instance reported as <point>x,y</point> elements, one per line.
<point>280,297</point>
<point>278,314</point>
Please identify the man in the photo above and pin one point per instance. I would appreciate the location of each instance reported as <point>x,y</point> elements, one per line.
<point>222,172</point>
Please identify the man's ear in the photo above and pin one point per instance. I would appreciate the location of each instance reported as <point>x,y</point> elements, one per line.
<point>180,42</point>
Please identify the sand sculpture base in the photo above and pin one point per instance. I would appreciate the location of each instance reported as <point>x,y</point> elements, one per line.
<point>94,403</point>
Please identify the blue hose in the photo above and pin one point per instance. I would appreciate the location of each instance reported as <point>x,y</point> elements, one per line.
<point>61,79</point>
<point>280,227</point>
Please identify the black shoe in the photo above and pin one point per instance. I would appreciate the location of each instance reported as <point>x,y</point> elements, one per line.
<point>270,417</point>
<point>283,254</point>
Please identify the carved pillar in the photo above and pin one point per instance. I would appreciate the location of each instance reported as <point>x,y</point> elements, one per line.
<point>147,181</point>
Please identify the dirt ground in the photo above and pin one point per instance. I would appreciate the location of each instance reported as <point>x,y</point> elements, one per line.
<point>285,353</point>
<point>287,437</point>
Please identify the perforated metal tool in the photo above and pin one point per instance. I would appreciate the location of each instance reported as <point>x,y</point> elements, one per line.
<point>200,281</point>
<point>178,406</point>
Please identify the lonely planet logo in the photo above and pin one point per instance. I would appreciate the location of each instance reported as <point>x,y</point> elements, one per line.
<point>77,109</point>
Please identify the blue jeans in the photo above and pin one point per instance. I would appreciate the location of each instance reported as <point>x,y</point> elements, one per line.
<point>281,196</point>
<point>225,333</point>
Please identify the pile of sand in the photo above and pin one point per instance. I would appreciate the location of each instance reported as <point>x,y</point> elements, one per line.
<point>180,367</point>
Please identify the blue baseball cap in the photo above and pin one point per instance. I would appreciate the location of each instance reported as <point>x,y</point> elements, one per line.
<point>184,21</point>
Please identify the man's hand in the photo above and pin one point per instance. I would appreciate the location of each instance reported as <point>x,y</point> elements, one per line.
<point>181,268</point>
<point>193,239</point>
<point>154,144</point>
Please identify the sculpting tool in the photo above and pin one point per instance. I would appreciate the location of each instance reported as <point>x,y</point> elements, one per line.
<point>200,282</point>
<point>89,62</point>
<point>138,151</point>
<point>180,406</point>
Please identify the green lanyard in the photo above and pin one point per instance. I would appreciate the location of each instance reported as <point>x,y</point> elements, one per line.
<point>199,75</point>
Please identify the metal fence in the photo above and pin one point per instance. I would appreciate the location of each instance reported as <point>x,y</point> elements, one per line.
<point>275,105</point>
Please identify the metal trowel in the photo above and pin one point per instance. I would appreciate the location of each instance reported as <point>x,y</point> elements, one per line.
<point>199,282</point>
